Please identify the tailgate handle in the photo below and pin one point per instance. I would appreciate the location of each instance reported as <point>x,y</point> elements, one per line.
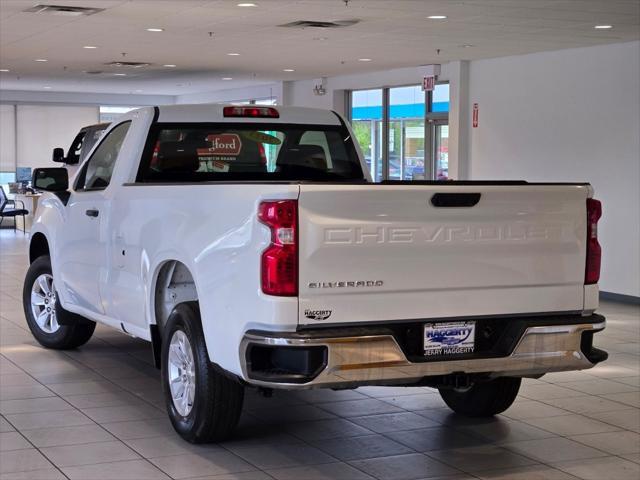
<point>455,199</point>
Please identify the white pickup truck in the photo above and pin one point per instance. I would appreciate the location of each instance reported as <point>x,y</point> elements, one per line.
<point>250,247</point>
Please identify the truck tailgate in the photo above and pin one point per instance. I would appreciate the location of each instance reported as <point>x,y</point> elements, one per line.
<point>386,252</point>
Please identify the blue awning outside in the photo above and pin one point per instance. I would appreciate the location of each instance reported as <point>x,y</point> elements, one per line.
<point>411,110</point>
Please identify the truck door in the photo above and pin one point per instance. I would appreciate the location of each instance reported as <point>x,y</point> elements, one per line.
<point>83,254</point>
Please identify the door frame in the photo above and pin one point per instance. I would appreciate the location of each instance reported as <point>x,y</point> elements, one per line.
<point>431,124</point>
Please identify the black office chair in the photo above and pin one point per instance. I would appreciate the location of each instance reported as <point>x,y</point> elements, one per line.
<point>11,212</point>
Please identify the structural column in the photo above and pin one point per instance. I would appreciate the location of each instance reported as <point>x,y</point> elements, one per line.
<point>459,121</point>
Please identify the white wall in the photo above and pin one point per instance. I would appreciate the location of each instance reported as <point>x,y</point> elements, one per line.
<point>570,115</point>
<point>40,128</point>
<point>33,123</point>
<point>7,138</point>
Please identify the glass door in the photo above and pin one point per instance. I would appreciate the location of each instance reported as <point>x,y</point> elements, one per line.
<point>366,121</point>
<point>440,135</point>
<point>406,134</point>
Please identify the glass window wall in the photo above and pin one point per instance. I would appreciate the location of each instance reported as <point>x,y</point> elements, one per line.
<point>366,121</point>
<point>403,132</point>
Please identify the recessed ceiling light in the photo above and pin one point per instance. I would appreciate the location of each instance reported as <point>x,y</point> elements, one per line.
<point>233,54</point>
<point>227,78</point>
<point>603,27</point>
<point>437,17</point>
<point>467,45</point>
<point>47,87</point>
<point>90,47</point>
<point>364,59</point>
<point>288,70</point>
<point>247,5</point>
<point>321,39</point>
<point>137,91</point>
<point>119,74</point>
<point>155,29</point>
<point>41,60</point>
<point>4,70</point>
<point>169,65</point>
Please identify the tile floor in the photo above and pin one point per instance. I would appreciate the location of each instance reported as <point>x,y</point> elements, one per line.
<point>97,413</point>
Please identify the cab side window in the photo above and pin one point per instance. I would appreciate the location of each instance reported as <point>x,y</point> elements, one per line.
<point>97,172</point>
<point>90,139</point>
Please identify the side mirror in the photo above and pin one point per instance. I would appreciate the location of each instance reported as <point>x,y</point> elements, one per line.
<point>50,179</point>
<point>58,155</point>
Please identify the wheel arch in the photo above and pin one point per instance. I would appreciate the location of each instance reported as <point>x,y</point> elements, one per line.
<point>173,283</point>
<point>38,246</point>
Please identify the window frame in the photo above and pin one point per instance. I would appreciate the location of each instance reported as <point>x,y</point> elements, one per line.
<point>81,178</point>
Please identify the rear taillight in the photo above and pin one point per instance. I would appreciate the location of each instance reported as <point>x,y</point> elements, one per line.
<point>279,268</point>
<point>250,112</point>
<point>594,252</point>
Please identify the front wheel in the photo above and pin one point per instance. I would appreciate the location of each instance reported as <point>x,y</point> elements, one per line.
<point>51,325</point>
<point>483,399</point>
<point>203,402</point>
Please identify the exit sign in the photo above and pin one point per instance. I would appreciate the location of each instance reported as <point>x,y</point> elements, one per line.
<point>429,83</point>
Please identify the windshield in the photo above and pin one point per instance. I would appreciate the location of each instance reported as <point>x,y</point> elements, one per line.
<point>215,152</point>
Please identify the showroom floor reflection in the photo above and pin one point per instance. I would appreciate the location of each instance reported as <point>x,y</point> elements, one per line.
<point>97,413</point>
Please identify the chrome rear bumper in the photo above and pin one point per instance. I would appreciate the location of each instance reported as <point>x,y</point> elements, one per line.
<point>379,359</point>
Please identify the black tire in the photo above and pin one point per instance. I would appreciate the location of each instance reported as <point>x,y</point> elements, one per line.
<point>218,397</point>
<point>483,399</point>
<point>76,330</point>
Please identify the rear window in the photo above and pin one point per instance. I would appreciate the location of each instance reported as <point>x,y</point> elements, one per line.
<point>215,152</point>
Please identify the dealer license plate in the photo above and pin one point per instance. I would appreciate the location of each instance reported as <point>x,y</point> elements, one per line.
<point>449,338</point>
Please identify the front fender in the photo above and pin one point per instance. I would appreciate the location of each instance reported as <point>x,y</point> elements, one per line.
<point>49,220</point>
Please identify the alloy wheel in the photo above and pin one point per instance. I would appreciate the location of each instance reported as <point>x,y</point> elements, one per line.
<point>43,303</point>
<point>181,371</point>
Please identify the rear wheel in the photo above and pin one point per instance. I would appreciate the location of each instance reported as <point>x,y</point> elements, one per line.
<point>51,325</point>
<point>204,403</point>
<point>483,399</point>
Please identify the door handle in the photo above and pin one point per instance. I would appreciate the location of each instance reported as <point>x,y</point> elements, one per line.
<point>92,213</point>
